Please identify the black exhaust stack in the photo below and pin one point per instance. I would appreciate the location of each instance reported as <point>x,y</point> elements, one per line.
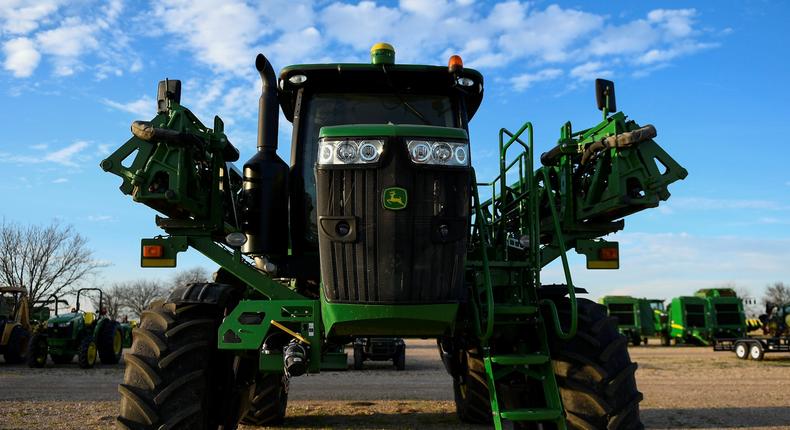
<point>264,198</point>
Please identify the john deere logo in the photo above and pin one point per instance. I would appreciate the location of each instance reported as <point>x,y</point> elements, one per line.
<point>394,198</point>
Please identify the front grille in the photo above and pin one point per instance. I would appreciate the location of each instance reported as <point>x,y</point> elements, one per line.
<point>396,256</point>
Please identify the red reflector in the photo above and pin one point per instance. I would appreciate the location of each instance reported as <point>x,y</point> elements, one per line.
<point>152,251</point>
<point>608,254</point>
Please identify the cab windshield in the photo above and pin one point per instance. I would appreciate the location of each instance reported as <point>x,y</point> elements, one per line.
<point>327,109</point>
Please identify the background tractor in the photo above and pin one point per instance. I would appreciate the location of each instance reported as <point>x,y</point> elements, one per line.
<point>380,349</point>
<point>84,334</point>
<point>14,324</point>
<point>380,228</point>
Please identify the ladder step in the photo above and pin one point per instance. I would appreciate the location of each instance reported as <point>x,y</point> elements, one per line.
<point>531,414</point>
<point>515,309</point>
<point>519,359</point>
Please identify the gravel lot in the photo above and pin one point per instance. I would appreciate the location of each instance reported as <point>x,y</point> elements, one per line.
<point>684,387</point>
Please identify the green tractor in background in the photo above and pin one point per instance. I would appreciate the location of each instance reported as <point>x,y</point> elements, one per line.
<point>380,228</point>
<point>660,320</point>
<point>726,317</point>
<point>84,334</point>
<point>15,326</point>
<point>637,319</point>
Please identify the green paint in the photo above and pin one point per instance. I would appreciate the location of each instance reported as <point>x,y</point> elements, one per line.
<point>393,130</point>
<point>431,320</point>
<point>394,199</point>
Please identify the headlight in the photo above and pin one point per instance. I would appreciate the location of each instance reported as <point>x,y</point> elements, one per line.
<point>349,151</point>
<point>50,325</point>
<point>439,153</point>
<point>65,324</point>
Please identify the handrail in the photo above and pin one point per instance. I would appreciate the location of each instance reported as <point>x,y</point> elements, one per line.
<point>571,290</point>
<point>489,290</point>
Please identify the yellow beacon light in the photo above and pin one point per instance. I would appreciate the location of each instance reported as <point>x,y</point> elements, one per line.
<point>382,53</point>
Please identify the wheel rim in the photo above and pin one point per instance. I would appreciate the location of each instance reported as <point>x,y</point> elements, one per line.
<point>116,342</point>
<point>740,351</point>
<point>91,353</point>
<point>755,352</point>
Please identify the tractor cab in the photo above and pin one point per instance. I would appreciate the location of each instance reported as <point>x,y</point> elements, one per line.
<point>378,183</point>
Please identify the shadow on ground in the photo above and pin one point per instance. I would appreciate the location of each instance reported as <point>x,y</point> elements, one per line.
<point>716,417</point>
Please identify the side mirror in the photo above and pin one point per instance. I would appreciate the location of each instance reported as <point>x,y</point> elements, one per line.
<point>167,90</point>
<point>604,95</point>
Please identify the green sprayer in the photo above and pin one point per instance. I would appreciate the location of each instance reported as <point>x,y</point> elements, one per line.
<point>380,228</point>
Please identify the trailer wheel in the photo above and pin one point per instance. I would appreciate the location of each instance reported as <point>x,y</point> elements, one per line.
<point>742,350</point>
<point>269,401</point>
<point>756,351</point>
<point>594,371</point>
<point>175,377</point>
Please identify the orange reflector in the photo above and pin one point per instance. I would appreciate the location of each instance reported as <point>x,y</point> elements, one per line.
<point>152,251</point>
<point>455,64</point>
<point>608,254</point>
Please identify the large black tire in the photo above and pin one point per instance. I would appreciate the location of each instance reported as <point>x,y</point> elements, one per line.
<point>175,378</point>
<point>86,353</point>
<point>594,371</point>
<point>17,347</point>
<point>110,342</point>
<point>269,400</point>
<point>470,390</point>
<point>62,359</point>
<point>37,351</point>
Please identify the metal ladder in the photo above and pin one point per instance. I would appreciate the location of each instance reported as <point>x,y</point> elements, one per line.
<point>509,209</point>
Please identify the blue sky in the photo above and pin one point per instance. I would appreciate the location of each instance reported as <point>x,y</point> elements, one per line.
<point>711,76</point>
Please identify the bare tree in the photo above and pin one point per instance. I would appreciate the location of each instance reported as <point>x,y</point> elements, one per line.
<point>750,306</point>
<point>138,295</point>
<point>44,259</point>
<point>777,293</point>
<point>112,300</point>
<point>195,274</point>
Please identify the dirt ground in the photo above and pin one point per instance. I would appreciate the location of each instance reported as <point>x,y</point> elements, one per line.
<point>684,387</point>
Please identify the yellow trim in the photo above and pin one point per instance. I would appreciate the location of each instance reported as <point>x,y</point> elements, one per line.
<point>291,332</point>
<point>158,262</point>
<point>117,342</point>
<point>382,45</point>
<point>600,264</point>
<point>677,326</point>
<point>92,353</point>
<point>89,317</point>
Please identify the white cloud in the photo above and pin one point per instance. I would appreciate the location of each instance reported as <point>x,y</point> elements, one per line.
<point>21,57</point>
<point>220,35</point>
<point>144,107</point>
<point>22,17</point>
<point>591,70</point>
<point>67,43</point>
<point>677,22</point>
<point>40,146</point>
<point>67,155</point>
<point>60,181</point>
<point>100,218</point>
<point>524,81</point>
